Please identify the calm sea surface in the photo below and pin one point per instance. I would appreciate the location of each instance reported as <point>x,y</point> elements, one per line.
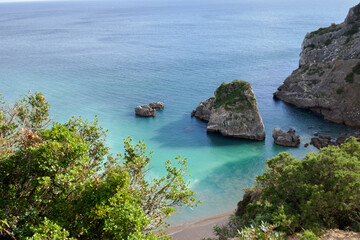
<point>104,58</point>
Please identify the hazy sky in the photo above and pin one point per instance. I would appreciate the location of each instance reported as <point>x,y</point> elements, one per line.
<point>23,0</point>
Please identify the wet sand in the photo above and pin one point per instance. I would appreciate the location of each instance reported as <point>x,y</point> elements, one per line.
<point>198,230</point>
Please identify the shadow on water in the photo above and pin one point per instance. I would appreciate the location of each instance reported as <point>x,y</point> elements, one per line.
<point>307,121</point>
<point>191,132</point>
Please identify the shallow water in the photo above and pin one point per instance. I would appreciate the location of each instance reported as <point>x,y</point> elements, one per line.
<point>104,58</point>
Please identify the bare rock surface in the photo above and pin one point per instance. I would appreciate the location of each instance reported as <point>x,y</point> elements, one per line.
<point>203,111</point>
<point>157,105</point>
<point>233,112</point>
<point>328,79</point>
<point>325,141</point>
<point>287,139</point>
<point>145,111</point>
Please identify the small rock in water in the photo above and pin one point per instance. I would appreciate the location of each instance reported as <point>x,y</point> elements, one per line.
<point>145,111</point>
<point>288,139</point>
<point>157,105</point>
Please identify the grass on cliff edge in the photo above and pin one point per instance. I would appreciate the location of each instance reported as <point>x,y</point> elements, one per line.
<point>232,95</point>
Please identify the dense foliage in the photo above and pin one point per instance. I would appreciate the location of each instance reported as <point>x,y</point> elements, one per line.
<point>58,180</point>
<point>319,192</point>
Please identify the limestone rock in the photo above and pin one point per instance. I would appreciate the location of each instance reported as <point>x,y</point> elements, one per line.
<point>288,139</point>
<point>325,141</point>
<point>328,79</point>
<point>321,141</point>
<point>233,112</point>
<point>145,111</point>
<point>157,105</point>
<point>203,111</point>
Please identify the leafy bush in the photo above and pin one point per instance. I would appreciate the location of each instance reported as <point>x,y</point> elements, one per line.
<point>49,230</point>
<point>230,229</point>
<point>350,77</point>
<point>321,191</point>
<point>356,68</point>
<point>263,231</point>
<point>64,177</point>
<point>322,31</point>
<point>307,235</point>
<point>340,90</point>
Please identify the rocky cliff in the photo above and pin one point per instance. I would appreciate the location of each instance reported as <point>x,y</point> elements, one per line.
<point>328,78</point>
<point>233,112</point>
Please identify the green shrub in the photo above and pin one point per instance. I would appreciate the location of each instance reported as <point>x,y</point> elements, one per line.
<point>350,77</point>
<point>49,230</point>
<point>232,94</point>
<point>354,29</point>
<point>340,90</point>
<point>263,231</point>
<point>321,191</point>
<point>356,68</point>
<point>230,229</point>
<point>322,31</point>
<point>328,41</point>
<point>307,235</point>
<point>64,177</point>
<point>310,46</point>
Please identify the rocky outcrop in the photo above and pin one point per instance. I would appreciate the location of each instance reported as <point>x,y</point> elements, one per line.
<point>233,112</point>
<point>157,105</point>
<point>287,139</point>
<point>328,79</point>
<point>149,110</point>
<point>325,141</point>
<point>322,141</point>
<point>203,111</point>
<point>145,111</point>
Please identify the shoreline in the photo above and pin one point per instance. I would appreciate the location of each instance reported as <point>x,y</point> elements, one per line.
<point>198,229</point>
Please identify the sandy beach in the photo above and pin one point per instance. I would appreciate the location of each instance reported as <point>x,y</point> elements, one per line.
<point>198,230</point>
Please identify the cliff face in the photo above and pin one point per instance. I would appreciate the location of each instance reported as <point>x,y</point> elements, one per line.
<point>328,79</point>
<point>233,112</point>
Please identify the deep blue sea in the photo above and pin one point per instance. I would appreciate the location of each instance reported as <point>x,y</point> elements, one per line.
<point>106,57</point>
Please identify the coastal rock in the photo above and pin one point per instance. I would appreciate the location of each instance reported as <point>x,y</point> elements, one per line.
<point>325,141</point>
<point>145,111</point>
<point>321,141</point>
<point>233,112</point>
<point>157,105</point>
<point>328,79</point>
<point>288,139</point>
<point>203,111</point>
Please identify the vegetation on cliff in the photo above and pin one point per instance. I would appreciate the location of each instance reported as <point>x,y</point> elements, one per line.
<point>327,81</point>
<point>232,95</point>
<point>322,191</point>
<point>60,181</point>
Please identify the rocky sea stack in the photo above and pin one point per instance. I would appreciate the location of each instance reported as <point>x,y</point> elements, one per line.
<point>232,112</point>
<point>287,139</point>
<point>328,79</point>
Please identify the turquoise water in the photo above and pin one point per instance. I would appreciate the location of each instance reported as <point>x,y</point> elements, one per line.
<point>104,58</point>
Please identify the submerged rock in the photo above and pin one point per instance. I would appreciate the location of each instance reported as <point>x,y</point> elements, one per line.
<point>157,105</point>
<point>145,111</point>
<point>328,79</point>
<point>233,112</point>
<point>288,139</point>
